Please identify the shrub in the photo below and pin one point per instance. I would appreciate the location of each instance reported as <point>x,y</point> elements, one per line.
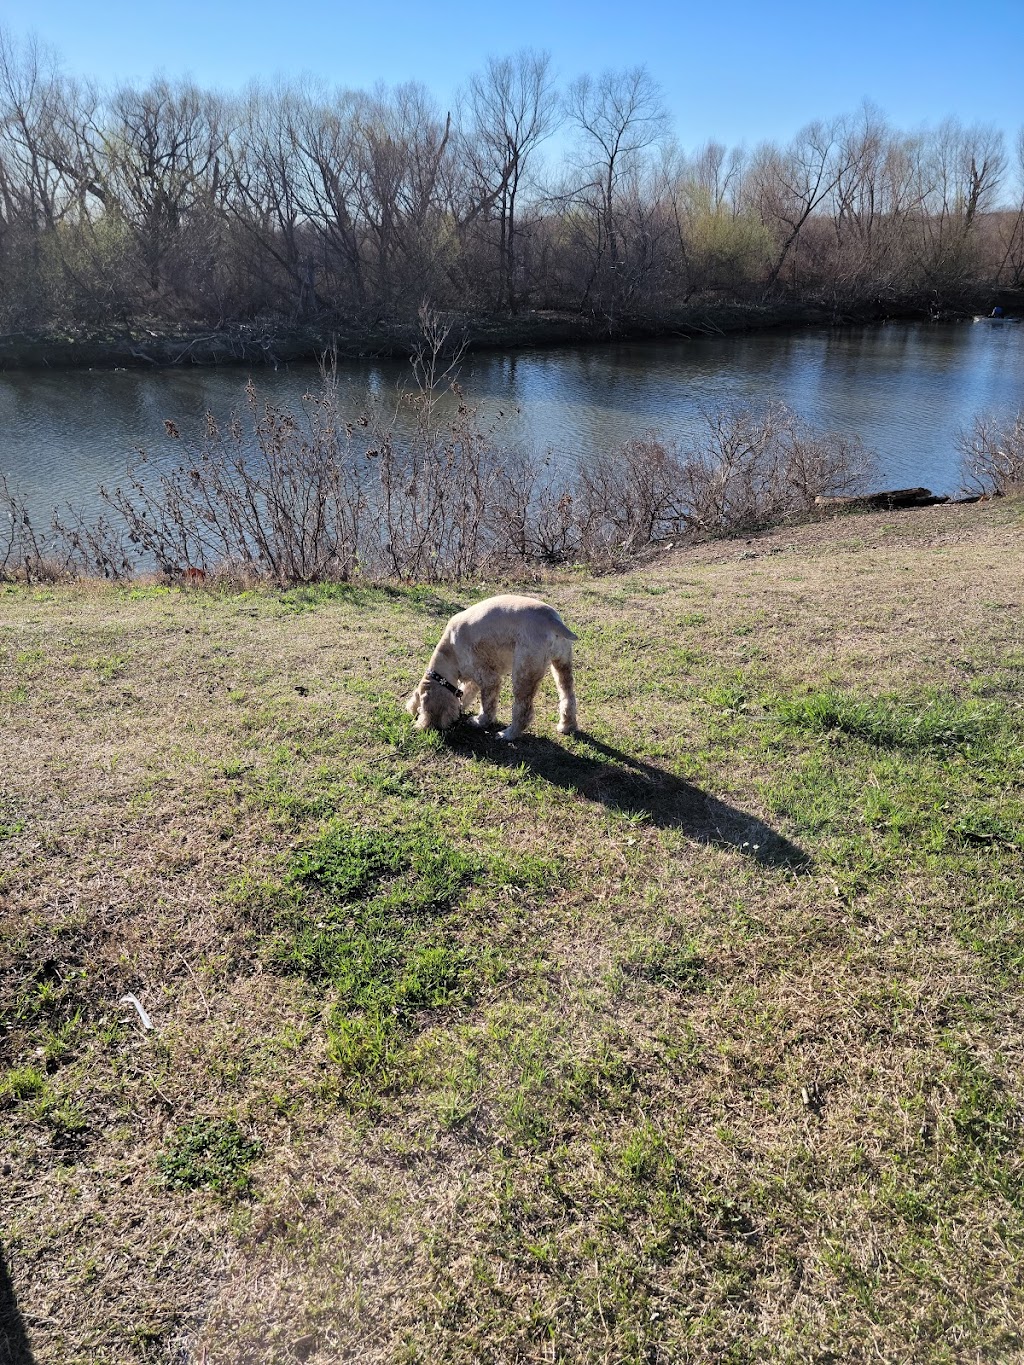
<point>756,469</point>
<point>270,495</point>
<point>300,497</point>
<point>72,549</point>
<point>743,472</point>
<point>992,455</point>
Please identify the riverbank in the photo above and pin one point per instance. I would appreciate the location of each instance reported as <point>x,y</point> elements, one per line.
<point>275,343</point>
<point>696,1036</point>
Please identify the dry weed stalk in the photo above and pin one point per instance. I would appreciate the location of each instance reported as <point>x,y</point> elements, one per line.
<point>21,554</point>
<point>436,491</point>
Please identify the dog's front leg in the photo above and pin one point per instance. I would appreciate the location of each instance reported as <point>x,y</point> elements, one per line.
<point>470,692</point>
<point>489,687</point>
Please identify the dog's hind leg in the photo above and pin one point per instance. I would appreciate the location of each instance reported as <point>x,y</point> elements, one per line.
<point>525,681</point>
<point>565,682</point>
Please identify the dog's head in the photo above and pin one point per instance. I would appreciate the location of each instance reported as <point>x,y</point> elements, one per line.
<point>433,707</point>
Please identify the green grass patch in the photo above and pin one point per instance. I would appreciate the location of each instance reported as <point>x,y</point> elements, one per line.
<point>21,1083</point>
<point>209,1153</point>
<point>370,912</point>
<point>937,722</point>
<point>887,783</point>
<point>984,1116</point>
<point>676,966</point>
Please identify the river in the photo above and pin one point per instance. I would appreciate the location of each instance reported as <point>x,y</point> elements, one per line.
<point>904,388</point>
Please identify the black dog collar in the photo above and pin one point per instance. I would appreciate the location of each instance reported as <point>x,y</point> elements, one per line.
<point>436,677</point>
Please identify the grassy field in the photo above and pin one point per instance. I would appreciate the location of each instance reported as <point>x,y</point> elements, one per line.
<point>696,1037</point>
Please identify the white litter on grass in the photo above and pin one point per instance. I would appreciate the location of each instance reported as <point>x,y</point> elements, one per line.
<point>147,1023</point>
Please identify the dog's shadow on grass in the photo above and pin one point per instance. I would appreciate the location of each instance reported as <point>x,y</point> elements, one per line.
<point>600,773</point>
<point>14,1346</point>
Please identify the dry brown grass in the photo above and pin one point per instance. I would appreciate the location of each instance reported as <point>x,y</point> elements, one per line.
<point>692,1100</point>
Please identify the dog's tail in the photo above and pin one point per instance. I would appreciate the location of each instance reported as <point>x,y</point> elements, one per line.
<point>560,628</point>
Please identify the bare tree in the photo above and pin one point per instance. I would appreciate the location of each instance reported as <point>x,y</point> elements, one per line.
<point>617,118</point>
<point>164,161</point>
<point>32,189</point>
<point>404,147</point>
<point>325,134</point>
<point>512,109</point>
<point>959,175</point>
<point>265,203</point>
<point>1011,229</point>
<point>791,185</point>
<point>871,203</point>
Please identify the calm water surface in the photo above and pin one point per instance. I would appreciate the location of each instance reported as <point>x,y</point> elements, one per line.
<point>904,389</point>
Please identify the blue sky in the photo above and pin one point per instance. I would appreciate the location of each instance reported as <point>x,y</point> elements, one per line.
<point>734,70</point>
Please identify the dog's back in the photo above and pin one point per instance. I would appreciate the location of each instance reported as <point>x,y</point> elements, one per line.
<point>513,616</point>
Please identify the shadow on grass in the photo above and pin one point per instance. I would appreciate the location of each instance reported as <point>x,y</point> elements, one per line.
<point>600,773</point>
<point>14,1347</point>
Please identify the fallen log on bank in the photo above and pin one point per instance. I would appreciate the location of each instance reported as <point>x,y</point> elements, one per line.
<point>882,502</point>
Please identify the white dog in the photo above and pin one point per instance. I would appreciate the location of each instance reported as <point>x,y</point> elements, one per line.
<point>479,646</point>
